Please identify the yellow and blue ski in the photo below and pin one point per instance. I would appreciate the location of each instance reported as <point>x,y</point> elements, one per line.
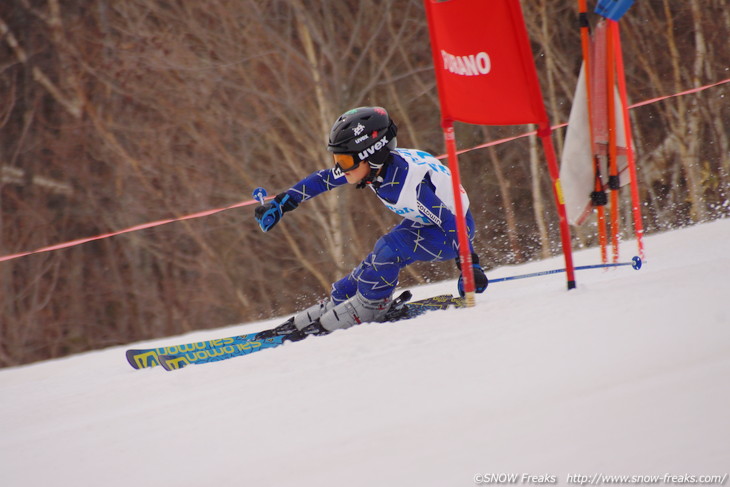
<point>179,356</point>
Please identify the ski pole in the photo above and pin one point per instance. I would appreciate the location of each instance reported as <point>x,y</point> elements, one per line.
<point>260,194</point>
<point>635,264</point>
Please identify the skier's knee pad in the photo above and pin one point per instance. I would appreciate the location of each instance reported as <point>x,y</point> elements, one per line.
<point>387,251</point>
<point>378,274</point>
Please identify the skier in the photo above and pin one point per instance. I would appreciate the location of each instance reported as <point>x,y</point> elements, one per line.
<point>411,183</point>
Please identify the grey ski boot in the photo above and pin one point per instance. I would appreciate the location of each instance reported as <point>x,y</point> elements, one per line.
<point>299,321</point>
<point>354,311</point>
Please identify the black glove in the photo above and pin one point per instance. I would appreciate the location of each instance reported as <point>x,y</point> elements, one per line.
<point>269,214</point>
<point>480,278</point>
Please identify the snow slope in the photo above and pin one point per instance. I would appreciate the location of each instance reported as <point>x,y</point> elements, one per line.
<point>628,374</point>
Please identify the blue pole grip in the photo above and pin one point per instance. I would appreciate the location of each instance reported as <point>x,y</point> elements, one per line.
<point>271,216</point>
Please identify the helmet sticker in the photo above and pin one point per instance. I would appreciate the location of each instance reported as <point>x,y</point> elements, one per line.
<point>357,129</point>
<point>373,149</point>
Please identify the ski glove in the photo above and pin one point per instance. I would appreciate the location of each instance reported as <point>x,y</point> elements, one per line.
<point>480,278</point>
<point>269,214</point>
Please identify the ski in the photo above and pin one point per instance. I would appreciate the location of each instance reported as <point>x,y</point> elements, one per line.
<point>408,310</point>
<point>179,356</point>
<point>148,357</point>
<point>400,311</point>
<point>178,361</point>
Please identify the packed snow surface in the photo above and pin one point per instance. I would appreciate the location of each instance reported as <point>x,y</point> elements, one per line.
<point>628,374</point>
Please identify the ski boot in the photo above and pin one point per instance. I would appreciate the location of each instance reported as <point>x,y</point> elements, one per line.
<point>360,309</point>
<point>299,321</point>
<point>394,312</point>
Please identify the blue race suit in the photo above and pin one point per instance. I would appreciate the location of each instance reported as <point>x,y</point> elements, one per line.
<point>417,187</point>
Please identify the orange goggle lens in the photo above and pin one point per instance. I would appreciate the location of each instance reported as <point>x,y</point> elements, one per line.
<point>345,162</point>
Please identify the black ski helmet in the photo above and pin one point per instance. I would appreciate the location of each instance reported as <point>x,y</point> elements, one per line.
<point>366,133</point>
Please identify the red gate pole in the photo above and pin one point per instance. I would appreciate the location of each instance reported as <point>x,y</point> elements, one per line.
<point>635,199</point>
<point>467,270</point>
<point>613,177</point>
<point>588,74</point>
<point>544,131</point>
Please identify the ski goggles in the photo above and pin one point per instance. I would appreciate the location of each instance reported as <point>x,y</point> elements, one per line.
<point>345,162</point>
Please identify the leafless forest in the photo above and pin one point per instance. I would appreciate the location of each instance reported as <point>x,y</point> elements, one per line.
<point>114,114</point>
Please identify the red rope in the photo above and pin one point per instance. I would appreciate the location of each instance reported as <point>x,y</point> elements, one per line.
<point>135,228</point>
<point>635,105</point>
<point>693,90</point>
